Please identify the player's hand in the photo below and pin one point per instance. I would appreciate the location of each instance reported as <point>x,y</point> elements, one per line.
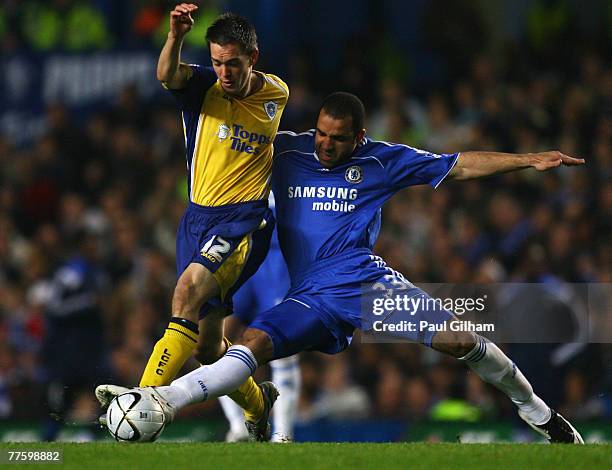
<point>546,160</point>
<point>181,20</point>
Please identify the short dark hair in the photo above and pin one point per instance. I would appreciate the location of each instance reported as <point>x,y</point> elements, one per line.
<point>230,28</point>
<point>340,105</point>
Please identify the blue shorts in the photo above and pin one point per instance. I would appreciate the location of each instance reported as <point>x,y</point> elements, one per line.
<point>324,307</point>
<point>230,241</point>
<point>295,326</point>
<point>265,289</point>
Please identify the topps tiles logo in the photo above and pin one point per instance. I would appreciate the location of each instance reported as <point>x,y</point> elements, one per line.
<point>242,140</point>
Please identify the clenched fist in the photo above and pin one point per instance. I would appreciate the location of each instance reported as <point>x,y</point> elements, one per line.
<point>181,20</point>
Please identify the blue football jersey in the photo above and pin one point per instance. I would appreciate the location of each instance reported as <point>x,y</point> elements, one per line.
<point>324,213</point>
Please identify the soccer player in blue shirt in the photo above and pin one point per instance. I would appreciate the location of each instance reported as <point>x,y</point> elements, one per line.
<point>329,186</point>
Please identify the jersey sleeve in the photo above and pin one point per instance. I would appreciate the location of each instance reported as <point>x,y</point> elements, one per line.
<point>281,85</point>
<point>192,95</point>
<point>407,166</point>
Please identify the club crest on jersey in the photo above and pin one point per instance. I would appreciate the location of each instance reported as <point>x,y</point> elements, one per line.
<point>270,107</point>
<point>354,174</point>
<point>223,132</point>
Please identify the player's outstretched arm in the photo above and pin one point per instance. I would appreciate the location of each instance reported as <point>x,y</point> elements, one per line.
<point>169,69</point>
<point>478,164</point>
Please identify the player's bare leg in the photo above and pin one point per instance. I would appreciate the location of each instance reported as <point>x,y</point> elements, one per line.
<point>210,345</point>
<point>195,286</point>
<point>494,367</point>
<point>259,343</point>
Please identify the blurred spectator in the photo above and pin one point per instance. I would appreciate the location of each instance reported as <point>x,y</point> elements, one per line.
<point>337,397</point>
<point>75,351</point>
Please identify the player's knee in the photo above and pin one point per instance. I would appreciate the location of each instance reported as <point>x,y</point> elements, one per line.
<point>454,343</point>
<point>260,344</point>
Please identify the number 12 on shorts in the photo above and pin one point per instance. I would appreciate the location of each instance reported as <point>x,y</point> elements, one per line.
<point>215,248</point>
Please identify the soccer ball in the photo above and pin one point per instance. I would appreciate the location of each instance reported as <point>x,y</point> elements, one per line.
<point>135,416</point>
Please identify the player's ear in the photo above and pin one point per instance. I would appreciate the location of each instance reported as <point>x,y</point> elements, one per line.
<point>254,57</point>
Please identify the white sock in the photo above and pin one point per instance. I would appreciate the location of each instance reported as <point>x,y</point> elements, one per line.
<point>494,367</point>
<point>212,380</point>
<point>286,375</point>
<point>234,415</point>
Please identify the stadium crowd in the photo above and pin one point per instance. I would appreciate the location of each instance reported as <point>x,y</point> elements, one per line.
<point>109,189</point>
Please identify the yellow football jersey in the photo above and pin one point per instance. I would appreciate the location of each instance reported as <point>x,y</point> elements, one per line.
<point>229,140</point>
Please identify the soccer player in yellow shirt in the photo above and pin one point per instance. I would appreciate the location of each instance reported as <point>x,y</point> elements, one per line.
<point>230,114</point>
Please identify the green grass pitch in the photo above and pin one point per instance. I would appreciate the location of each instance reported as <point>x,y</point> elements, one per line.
<point>170,456</point>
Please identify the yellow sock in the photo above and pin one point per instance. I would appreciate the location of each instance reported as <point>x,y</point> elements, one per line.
<point>248,397</point>
<point>170,353</point>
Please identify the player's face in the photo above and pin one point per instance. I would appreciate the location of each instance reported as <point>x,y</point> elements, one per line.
<point>233,67</point>
<point>335,140</point>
